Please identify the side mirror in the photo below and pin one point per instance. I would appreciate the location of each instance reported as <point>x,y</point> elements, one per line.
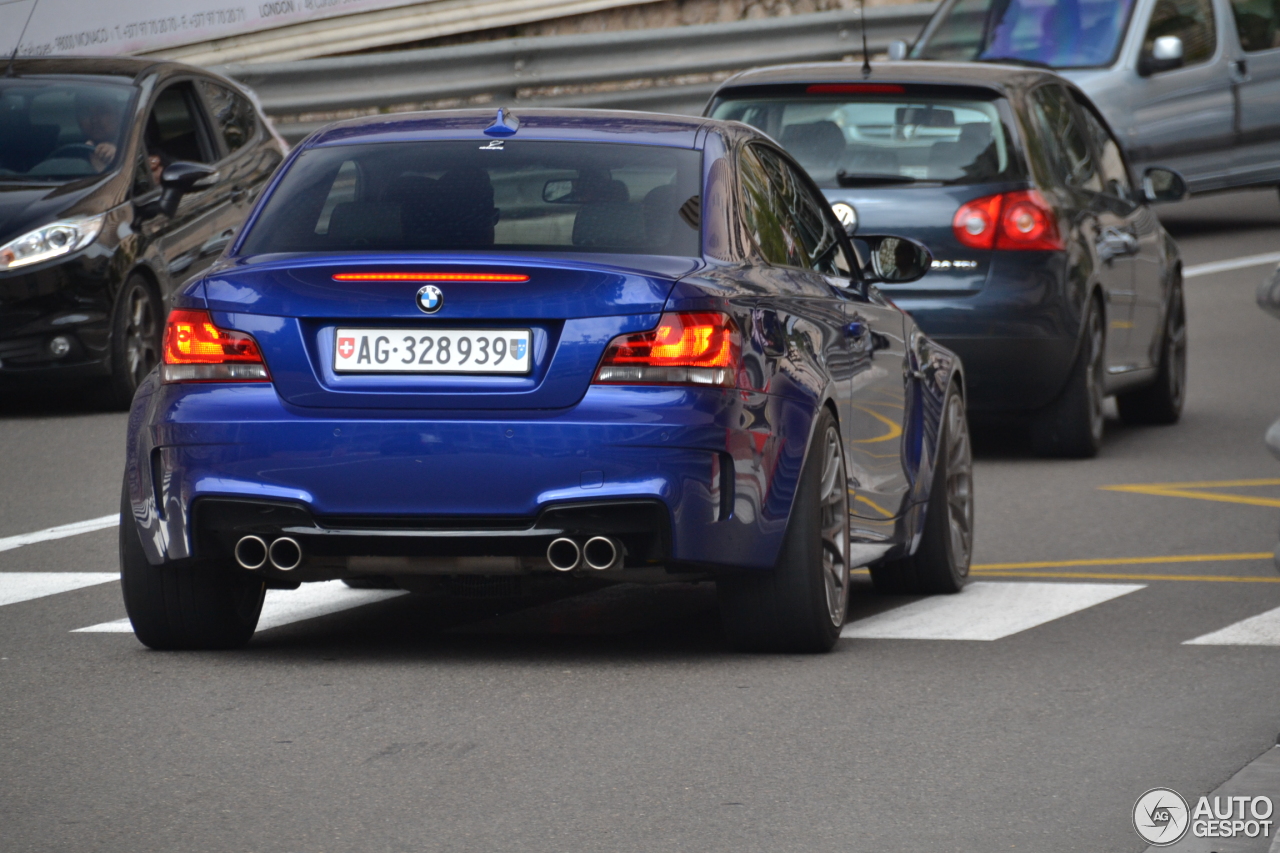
<point>177,180</point>
<point>559,191</point>
<point>898,50</point>
<point>1163,185</point>
<point>1165,55</point>
<point>895,260</point>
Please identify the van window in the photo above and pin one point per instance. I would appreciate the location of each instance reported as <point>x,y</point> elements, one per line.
<point>1189,20</point>
<point>1258,23</point>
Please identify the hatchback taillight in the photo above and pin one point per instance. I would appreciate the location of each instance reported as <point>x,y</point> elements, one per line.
<point>1020,220</point>
<point>687,348</point>
<point>196,350</point>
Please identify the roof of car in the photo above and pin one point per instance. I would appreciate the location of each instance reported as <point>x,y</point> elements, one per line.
<point>567,125</point>
<point>988,75</point>
<point>103,66</point>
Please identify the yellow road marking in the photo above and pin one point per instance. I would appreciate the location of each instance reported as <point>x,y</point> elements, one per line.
<point>1195,491</point>
<point>1124,561</point>
<point>1130,577</point>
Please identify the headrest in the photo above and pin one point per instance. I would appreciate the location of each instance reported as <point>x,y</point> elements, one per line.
<point>364,223</point>
<point>814,142</point>
<point>610,226</point>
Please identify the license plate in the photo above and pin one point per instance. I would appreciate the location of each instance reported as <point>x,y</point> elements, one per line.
<point>435,351</point>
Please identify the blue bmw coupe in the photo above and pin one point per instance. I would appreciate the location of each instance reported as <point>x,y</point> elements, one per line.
<point>450,349</point>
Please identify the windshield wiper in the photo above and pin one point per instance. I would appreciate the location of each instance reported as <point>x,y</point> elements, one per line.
<point>876,179</point>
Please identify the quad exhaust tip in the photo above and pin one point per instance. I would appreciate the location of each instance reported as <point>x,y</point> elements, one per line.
<point>251,552</point>
<point>285,554</point>
<point>601,553</point>
<point>563,554</point>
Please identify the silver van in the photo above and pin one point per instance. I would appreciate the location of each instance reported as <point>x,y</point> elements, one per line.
<point>1193,85</point>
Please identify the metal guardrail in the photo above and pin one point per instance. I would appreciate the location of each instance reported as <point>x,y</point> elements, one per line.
<point>667,70</point>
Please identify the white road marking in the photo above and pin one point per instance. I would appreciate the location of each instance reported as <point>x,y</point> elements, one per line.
<point>1232,264</point>
<point>985,611</point>
<point>62,531</point>
<point>286,606</point>
<point>25,586</point>
<point>1260,630</point>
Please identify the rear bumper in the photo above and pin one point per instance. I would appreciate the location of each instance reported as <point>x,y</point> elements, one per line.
<point>725,491</point>
<point>1017,335</point>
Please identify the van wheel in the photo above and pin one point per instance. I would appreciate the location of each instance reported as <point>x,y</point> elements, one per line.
<point>136,331</point>
<point>194,604</point>
<point>1072,425</point>
<point>1161,401</point>
<point>799,605</point>
<point>941,562</point>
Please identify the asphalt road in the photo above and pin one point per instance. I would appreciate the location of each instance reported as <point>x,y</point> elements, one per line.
<point>619,721</point>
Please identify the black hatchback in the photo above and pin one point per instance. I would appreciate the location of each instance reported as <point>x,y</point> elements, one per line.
<point>119,180</point>
<point>1051,278</point>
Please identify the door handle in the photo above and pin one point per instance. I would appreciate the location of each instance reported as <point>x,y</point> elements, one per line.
<point>1239,71</point>
<point>238,194</point>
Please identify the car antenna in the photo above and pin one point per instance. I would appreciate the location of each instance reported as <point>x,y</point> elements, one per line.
<point>866,57</point>
<point>8,72</point>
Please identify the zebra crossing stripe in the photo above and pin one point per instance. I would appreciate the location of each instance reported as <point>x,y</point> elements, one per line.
<point>985,611</point>
<point>25,586</point>
<point>1260,630</point>
<point>286,606</point>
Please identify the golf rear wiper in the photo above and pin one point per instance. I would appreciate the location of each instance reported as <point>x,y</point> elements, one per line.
<point>858,179</point>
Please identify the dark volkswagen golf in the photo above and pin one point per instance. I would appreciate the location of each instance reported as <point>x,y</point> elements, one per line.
<point>119,179</point>
<point>1051,278</point>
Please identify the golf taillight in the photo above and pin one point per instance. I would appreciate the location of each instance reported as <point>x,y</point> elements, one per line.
<point>687,348</point>
<point>1008,221</point>
<point>196,350</point>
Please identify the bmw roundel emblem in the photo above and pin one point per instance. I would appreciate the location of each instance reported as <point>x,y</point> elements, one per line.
<point>430,299</point>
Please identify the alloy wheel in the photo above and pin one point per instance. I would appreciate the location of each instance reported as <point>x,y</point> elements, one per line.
<point>834,503</point>
<point>959,461</point>
<point>141,334</point>
<point>1094,382</point>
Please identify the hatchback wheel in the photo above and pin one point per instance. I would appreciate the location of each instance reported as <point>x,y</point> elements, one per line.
<point>1072,426</point>
<point>195,604</point>
<point>800,605</point>
<point>941,562</point>
<point>135,339</point>
<point>1161,401</point>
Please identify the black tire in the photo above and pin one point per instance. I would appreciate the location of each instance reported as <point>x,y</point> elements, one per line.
<point>190,605</point>
<point>1161,401</point>
<point>940,564</point>
<point>137,328</point>
<point>800,605</point>
<point>1072,426</point>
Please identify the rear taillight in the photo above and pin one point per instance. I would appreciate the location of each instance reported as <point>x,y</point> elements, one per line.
<point>1008,221</point>
<point>687,348</point>
<point>196,350</point>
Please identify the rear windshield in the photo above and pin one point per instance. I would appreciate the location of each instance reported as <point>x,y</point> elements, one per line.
<point>472,195</point>
<point>883,139</point>
<point>56,130</point>
<point>1057,33</point>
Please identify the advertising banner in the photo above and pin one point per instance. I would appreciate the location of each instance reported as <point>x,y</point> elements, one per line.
<point>112,27</point>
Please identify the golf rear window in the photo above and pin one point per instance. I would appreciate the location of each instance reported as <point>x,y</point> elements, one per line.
<point>455,195</point>
<point>877,134</point>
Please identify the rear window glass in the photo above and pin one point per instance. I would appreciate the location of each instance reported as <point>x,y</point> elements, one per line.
<point>53,130</point>
<point>889,139</point>
<point>473,195</point>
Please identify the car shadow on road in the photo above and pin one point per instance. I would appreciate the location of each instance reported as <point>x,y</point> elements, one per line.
<point>46,399</point>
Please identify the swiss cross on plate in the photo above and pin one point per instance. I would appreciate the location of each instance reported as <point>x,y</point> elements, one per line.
<point>346,347</point>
